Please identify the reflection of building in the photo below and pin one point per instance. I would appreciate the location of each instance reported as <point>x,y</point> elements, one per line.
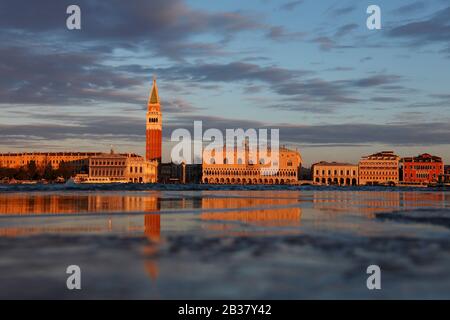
<point>180,173</point>
<point>154,126</point>
<point>379,168</point>
<point>242,170</point>
<point>372,202</point>
<point>424,168</point>
<point>263,217</point>
<point>333,173</point>
<point>77,160</point>
<point>246,209</point>
<point>121,168</point>
<point>41,203</point>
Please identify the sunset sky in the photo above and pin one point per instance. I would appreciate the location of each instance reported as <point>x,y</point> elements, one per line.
<point>335,89</point>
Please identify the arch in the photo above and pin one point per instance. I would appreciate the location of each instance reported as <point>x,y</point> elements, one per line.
<point>271,181</point>
<point>354,182</point>
<point>277,181</point>
<point>222,180</point>
<point>342,181</point>
<point>347,181</point>
<point>282,181</point>
<point>217,180</point>
<point>205,180</point>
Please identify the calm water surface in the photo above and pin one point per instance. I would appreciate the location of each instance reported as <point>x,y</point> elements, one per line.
<point>236,244</point>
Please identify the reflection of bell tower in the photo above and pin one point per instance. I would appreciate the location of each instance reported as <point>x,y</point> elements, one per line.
<point>153,148</point>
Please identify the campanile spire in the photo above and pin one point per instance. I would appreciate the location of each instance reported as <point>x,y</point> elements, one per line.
<point>153,149</point>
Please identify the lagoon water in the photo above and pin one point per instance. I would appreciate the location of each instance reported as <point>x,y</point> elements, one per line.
<point>199,242</point>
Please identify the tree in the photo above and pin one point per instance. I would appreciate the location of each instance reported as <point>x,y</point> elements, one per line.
<point>32,171</point>
<point>65,170</point>
<point>49,173</point>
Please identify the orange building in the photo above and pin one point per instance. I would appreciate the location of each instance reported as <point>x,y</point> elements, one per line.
<point>243,171</point>
<point>379,168</point>
<point>334,173</point>
<point>447,174</point>
<point>78,160</point>
<point>153,148</point>
<point>422,169</point>
<point>109,168</point>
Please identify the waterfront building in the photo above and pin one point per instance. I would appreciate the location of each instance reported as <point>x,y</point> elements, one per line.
<point>153,148</point>
<point>379,168</point>
<point>180,173</point>
<point>110,168</point>
<point>244,171</point>
<point>79,161</point>
<point>422,169</point>
<point>447,174</point>
<point>334,173</point>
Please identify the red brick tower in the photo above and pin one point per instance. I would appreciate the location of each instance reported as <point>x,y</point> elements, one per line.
<point>154,126</point>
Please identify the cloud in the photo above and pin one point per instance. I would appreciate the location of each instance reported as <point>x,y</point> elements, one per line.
<point>386,99</point>
<point>289,6</point>
<point>165,26</point>
<point>376,80</point>
<point>278,33</point>
<point>410,133</point>
<point>411,8</point>
<point>55,78</point>
<point>228,72</point>
<point>435,29</point>
<point>346,29</point>
<point>342,10</point>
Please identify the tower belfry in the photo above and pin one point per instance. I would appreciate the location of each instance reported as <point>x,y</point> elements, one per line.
<point>153,149</point>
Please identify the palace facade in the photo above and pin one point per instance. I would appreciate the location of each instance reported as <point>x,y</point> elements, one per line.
<point>379,168</point>
<point>334,173</point>
<point>422,169</point>
<point>244,171</point>
<point>113,167</point>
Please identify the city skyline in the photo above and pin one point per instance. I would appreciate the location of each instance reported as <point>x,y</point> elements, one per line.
<point>335,89</point>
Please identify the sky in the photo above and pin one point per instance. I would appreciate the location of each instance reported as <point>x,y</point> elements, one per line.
<point>335,89</point>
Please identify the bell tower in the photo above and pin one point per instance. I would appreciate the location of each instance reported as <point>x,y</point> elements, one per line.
<point>153,148</point>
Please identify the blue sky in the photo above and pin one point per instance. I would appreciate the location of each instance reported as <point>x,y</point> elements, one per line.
<point>335,89</point>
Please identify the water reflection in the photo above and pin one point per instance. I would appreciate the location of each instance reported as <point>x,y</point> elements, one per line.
<point>371,202</point>
<point>268,218</point>
<point>221,214</point>
<point>35,204</point>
